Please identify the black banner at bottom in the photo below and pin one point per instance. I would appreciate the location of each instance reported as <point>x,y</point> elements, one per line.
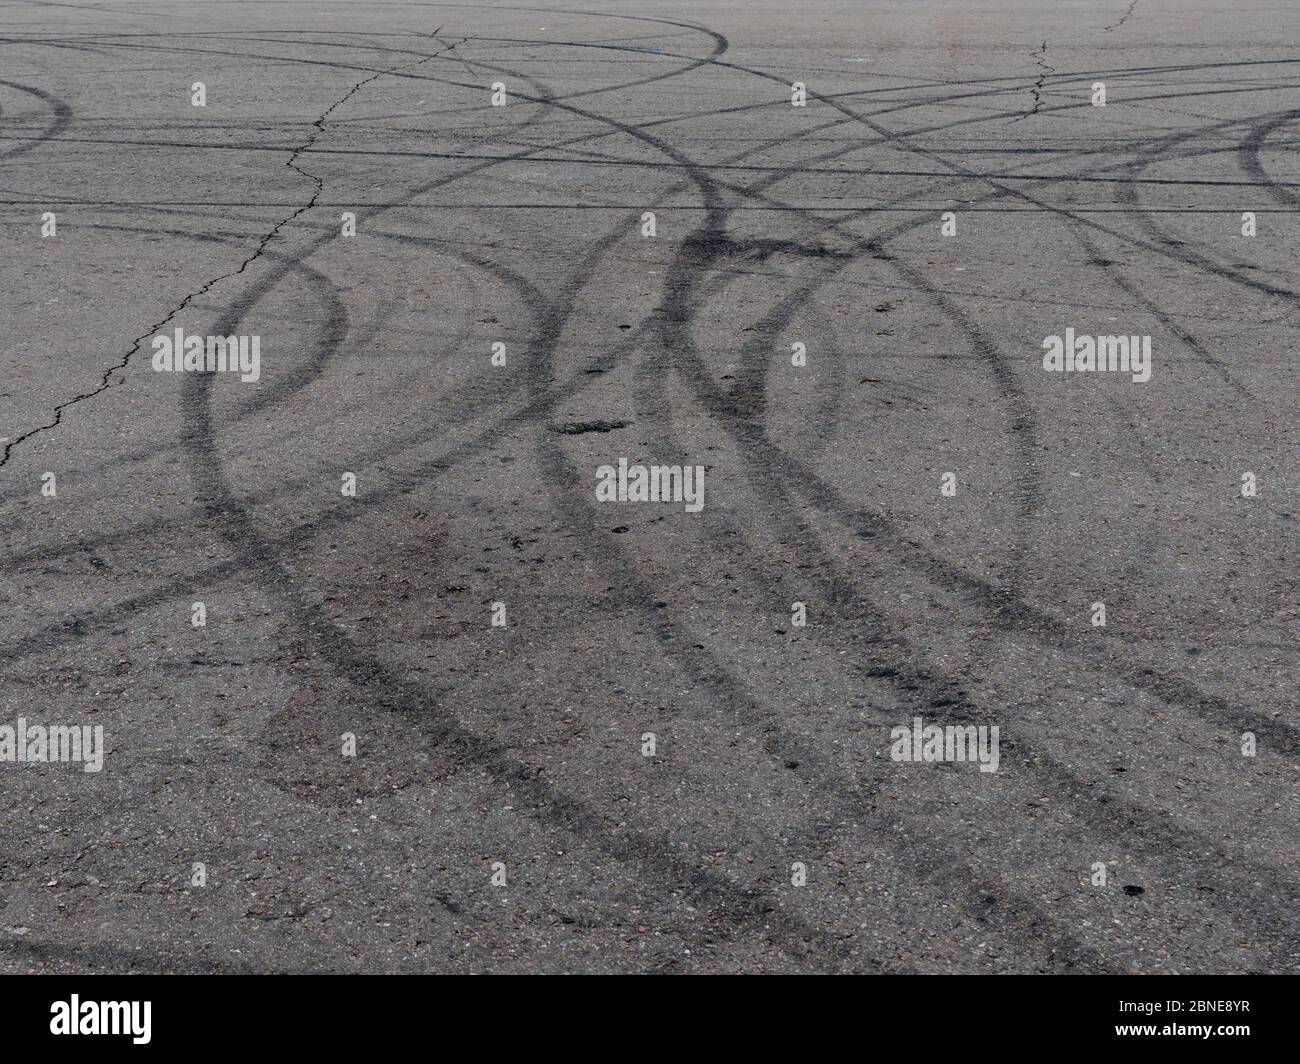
<point>337,1013</point>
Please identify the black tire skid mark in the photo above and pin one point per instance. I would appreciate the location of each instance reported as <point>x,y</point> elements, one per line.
<point>872,649</point>
<point>551,456</point>
<point>533,410</point>
<point>1006,608</point>
<point>1257,132</point>
<point>420,437</point>
<point>291,264</point>
<point>946,873</point>
<point>336,325</point>
<point>520,773</point>
<point>653,400</point>
<point>709,673</point>
<point>1019,616</point>
<point>744,908</point>
<point>720,42</point>
<point>1200,260</point>
<point>828,393</point>
<point>749,391</point>
<point>949,876</point>
<point>1135,292</point>
<point>751,388</point>
<point>1028,494</point>
<point>1135,816</point>
<point>1248,158</point>
<point>1065,77</point>
<point>1170,688</point>
<point>373,72</point>
<point>463,412</point>
<point>1247,153</point>
<point>698,252</point>
<point>754,384</point>
<point>692,62</point>
<point>1117,277</point>
<point>700,63</point>
<point>285,392</point>
<point>336,331</point>
<point>744,388</point>
<point>698,27</point>
<point>76,629</point>
<point>992,180</point>
<point>937,696</point>
<point>60,119</point>
<point>980,345</point>
<point>1253,167</point>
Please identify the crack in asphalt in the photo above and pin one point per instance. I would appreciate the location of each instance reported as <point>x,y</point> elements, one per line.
<point>1040,57</point>
<point>452,49</point>
<point>1123,18</point>
<point>107,379</point>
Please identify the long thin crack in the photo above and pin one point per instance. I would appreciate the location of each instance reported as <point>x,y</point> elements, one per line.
<point>1123,18</point>
<point>107,380</point>
<point>464,40</point>
<point>1040,57</point>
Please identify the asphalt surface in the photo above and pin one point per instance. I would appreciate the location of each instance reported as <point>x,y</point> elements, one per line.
<point>772,829</point>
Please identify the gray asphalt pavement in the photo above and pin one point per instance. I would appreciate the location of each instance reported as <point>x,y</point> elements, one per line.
<point>957,341</point>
